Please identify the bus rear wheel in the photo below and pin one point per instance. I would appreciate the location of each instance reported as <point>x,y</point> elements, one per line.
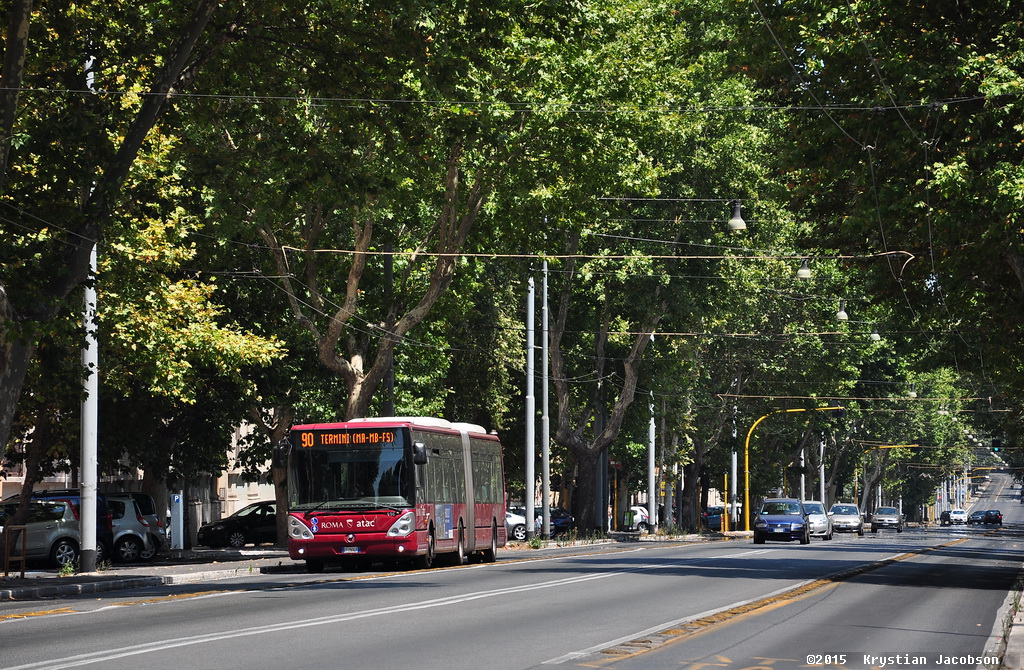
<point>491,555</point>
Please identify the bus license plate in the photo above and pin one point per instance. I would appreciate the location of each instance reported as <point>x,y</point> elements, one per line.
<point>350,550</point>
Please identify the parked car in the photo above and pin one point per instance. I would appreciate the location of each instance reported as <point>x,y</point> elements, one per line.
<point>515,526</point>
<point>712,519</point>
<point>846,518</point>
<point>104,523</point>
<point>131,531</point>
<point>957,516</point>
<point>560,519</point>
<point>782,519</point>
<point>976,517</point>
<point>52,532</point>
<point>253,524</point>
<point>157,528</point>
<point>887,517</point>
<point>817,517</point>
<point>637,519</point>
<point>994,516</point>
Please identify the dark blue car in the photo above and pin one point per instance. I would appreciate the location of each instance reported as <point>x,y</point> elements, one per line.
<point>782,519</point>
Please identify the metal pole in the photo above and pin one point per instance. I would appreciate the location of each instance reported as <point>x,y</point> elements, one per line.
<point>732,493</point>
<point>803,477</point>
<point>652,499</point>
<point>545,422</point>
<point>531,415</point>
<point>90,406</point>
<point>821,473</point>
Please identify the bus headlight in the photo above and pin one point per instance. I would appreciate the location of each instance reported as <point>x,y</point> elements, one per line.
<point>403,526</point>
<point>298,530</point>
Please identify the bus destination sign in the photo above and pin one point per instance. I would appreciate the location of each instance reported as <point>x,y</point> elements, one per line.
<point>334,438</point>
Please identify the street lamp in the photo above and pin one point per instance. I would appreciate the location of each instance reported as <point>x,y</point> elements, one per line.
<point>746,454</point>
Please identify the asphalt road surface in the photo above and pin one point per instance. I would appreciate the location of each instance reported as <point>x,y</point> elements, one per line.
<point>921,596</point>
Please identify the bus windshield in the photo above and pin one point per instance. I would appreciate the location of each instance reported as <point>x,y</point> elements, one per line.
<point>362,476</point>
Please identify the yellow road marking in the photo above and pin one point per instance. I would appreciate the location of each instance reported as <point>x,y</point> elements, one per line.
<point>25,615</point>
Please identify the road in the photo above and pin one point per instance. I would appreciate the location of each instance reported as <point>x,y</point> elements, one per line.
<point>923,593</point>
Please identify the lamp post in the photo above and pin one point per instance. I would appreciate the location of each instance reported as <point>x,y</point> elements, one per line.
<point>746,453</point>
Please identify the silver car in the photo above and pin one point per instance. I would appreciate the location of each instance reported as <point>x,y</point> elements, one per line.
<point>131,531</point>
<point>52,531</point>
<point>887,517</point>
<point>817,518</point>
<point>846,518</point>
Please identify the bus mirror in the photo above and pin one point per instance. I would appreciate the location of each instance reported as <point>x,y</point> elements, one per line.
<point>419,453</point>
<point>280,455</point>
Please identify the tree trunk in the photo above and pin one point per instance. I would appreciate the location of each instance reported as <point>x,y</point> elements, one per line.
<point>585,497</point>
<point>689,508</point>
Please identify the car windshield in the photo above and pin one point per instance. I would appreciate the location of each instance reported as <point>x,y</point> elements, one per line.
<point>814,508</point>
<point>887,510</point>
<point>844,509</point>
<point>782,508</point>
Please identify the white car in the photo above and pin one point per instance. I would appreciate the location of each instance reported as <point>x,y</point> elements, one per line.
<point>515,525</point>
<point>818,519</point>
<point>957,516</point>
<point>641,522</point>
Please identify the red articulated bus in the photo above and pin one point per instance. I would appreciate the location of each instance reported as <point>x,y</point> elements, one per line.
<point>399,488</point>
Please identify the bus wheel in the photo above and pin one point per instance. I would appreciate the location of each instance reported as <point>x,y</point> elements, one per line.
<point>459,557</point>
<point>491,555</point>
<point>427,560</point>
<point>314,565</point>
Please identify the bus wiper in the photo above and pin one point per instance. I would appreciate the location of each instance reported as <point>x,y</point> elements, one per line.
<point>369,504</point>
<point>317,506</point>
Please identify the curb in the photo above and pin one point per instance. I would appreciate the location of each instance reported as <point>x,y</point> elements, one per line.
<point>124,583</point>
<point>58,590</point>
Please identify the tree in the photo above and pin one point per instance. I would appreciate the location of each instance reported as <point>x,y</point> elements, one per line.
<point>63,207</point>
<point>906,137</point>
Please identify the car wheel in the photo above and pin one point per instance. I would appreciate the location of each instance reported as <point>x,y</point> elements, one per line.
<point>128,549</point>
<point>899,529</point>
<point>237,539</point>
<point>874,530</point>
<point>64,551</point>
<point>806,539</point>
<point>758,540</point>
<point>643,527</point>
<point>860,532</point>
<point>519,532</point>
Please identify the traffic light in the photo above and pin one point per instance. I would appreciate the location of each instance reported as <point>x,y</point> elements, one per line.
<point>997,445</point>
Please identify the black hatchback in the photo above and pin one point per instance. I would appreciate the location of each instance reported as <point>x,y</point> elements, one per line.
<point>253,524</point>
<point>994,516</point>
